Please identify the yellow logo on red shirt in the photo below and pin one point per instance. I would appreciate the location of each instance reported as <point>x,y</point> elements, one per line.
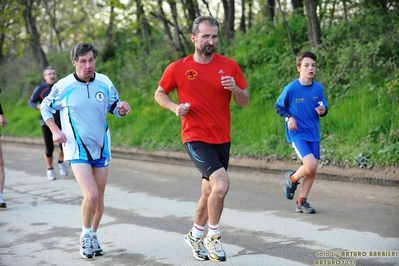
<point>191,74</point>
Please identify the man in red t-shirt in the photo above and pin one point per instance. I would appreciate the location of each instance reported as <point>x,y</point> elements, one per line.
<point>205,82</point>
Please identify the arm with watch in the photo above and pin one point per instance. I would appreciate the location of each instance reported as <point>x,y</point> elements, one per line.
<point>291,122</point>
<point>282,112</point>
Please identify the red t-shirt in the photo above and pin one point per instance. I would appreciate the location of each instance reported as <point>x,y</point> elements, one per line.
<point>200,85</point>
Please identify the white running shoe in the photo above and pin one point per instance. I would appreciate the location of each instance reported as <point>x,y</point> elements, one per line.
<point>86,246</point>
<point>3,203</point>
<point>97,246</point>
<point>63,169</point>
<point>215,248</point>
<point>197,244</point>
<point>51,174</point>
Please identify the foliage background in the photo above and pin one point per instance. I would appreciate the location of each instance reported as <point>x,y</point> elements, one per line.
<point>358,66</point>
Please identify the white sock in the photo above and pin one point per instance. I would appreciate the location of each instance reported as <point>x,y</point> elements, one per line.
<point>1,197</point>
<point>213,229</point>
<point>197,230</point>
<point>87,231</point>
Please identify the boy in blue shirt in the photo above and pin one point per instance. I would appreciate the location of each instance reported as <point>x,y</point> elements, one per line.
<point>301,104</point>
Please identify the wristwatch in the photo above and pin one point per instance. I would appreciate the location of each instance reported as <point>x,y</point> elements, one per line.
<point>287,118</point>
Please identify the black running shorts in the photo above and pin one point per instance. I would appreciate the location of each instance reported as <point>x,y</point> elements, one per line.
<point>208,157</point>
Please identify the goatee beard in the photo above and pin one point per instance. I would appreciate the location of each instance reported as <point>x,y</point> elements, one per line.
<point>208,50</point>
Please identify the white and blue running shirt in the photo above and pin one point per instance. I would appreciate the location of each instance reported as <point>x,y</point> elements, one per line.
<point>83,110</point>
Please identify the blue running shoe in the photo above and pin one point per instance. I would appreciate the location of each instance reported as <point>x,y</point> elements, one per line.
<point>290,186</point>
<point>304,207</point>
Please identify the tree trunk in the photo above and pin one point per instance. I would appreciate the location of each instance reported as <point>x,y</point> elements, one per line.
<point>226,17</point>
<point>165,24</point>
<point>270,7</point>
<point>109,51</point>
<point>232,11</point>
<point>229,11</point>
<point>250,13</point>
<point>297,5</point>
<point>345,11</point>
<point>332,13</point>
<point>145,29</point>
<point>242,20</point>
<point>192,9</point>
<point>207,7</point>
<point>51,12</point>
<point>313,23</point>
<point>2,39</point>
<point>287,27</point>
<point>31,29</point>
<point>180,46</point>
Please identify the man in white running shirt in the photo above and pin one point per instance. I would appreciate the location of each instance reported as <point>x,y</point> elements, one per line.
<point>83,99</point>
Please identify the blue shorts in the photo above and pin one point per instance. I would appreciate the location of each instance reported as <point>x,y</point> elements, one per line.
<point>208,157</point>
<point>303,148</point>
<point>98,163</point>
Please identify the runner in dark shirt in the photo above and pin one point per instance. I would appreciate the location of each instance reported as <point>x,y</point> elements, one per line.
<point>50,76</point>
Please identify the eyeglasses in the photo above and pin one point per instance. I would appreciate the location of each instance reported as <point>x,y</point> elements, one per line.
<point>209,37</point>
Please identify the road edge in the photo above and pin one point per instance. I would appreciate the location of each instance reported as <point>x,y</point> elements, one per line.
<point>388,176</point>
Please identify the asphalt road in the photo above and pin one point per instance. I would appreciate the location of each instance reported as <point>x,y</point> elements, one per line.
<point>150,206</point>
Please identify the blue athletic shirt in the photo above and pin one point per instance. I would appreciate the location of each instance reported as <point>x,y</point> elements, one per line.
<point>37,96</point>
<point>300,102</point>
<point>83,110</point>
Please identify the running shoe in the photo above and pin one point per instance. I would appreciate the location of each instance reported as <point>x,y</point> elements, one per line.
<point>3,204</point>
<point>86,246</point>
<point>63,169</point>
<point>215,248</point>
<point>197,244</point>
<point>97,246</point>
<point>51,174</point>
<point>304,207</point>
<point>290,186</point>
